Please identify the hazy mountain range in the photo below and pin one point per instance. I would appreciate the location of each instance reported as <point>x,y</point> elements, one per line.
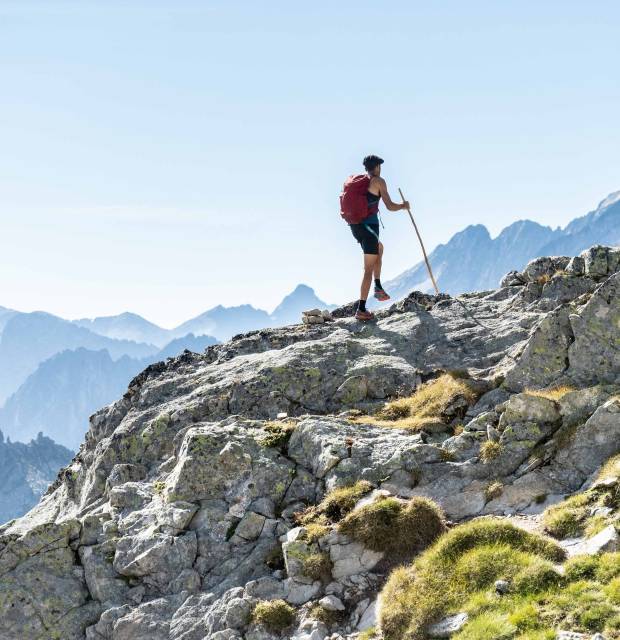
<point>473,261</point>
<point>55,372</point>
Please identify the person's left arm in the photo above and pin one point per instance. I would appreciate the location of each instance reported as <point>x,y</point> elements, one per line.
<point>390,205</point>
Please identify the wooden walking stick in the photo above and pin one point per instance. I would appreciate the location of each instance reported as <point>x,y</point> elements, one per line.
<point>428,265</point>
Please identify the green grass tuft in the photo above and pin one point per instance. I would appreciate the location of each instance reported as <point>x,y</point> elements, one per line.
<point>317,566</point>
<point>464,561</point>
<point>427,406</point>
<point>568,518</point>
<point>336,504</point>
<point>278,434</point>
<point>400,529</point>
<point>487,626</point>
<point>489,450</point>
<point>274,615</point>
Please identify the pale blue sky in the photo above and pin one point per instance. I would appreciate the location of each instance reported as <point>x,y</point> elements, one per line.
<point>165,157</point>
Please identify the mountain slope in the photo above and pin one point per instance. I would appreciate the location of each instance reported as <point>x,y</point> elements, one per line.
<point>472,261</point>
<point>30,338</point>
<point>179,519</point>
<point>5,316</point>
<point>127,326</point>
<point>224,322</point>
<point>300,299</point>
<point>65,390</point>
<point>26,470</point>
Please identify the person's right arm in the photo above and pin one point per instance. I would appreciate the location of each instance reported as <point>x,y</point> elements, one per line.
<point>387,201</point>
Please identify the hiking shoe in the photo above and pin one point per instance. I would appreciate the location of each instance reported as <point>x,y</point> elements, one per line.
<point>381,295</point>
<point>364,316</point>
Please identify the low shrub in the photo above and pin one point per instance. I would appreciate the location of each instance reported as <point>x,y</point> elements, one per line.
<point>315,531</point>
<point>493,491</point>
<point>428,404</point>
<point>489,450</point>
<point>568,518</point>
<point>611,469</point>
<point>317,566</point>
<point>398,528</point>
<point>336,504</point>
<point>278,434</point>
<point>274,615</point>
<point>326,616</point>
<point>463,561</point>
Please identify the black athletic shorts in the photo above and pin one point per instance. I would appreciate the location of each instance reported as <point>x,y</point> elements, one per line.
<point>368,237</point>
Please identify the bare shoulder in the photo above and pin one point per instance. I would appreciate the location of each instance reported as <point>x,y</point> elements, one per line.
<point>377,183</point>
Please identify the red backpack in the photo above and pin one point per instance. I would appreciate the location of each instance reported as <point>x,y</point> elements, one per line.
<point>353,203</point>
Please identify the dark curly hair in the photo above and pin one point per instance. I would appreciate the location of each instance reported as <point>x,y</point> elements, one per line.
<point>370,162</point>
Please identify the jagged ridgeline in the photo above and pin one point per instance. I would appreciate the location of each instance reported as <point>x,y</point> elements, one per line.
<point>410,491</point>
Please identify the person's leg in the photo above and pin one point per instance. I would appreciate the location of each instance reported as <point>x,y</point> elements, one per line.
<point>380,293</point>
<point>370,260</point>
<point>378,263</point>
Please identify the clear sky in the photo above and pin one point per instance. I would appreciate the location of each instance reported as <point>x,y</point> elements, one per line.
<point>167,156</point>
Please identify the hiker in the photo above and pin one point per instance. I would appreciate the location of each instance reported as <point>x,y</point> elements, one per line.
<point>359,206</point>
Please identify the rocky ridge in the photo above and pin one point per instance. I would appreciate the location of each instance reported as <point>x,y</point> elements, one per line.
<point>177,516</point>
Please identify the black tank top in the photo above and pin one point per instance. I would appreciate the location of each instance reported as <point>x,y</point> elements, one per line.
<point>371,198</point>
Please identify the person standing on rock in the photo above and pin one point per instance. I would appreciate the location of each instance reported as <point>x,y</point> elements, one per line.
<point>359,206</point>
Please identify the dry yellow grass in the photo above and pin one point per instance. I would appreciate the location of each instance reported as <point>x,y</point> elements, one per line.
<point>555,393</point>
<point>611,469</point>
<point>425,408</point>
<point>489,450</point>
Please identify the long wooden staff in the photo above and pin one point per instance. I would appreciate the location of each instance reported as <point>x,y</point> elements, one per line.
<point>428,264</point>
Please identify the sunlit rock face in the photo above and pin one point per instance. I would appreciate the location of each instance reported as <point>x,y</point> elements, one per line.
<point>178,514</point>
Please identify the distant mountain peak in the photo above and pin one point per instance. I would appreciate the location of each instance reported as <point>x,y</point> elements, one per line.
<point>472,261</point>
<point>610,200</point>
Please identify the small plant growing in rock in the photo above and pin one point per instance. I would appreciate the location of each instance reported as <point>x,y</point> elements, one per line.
<point>611,469</point>
<point>568,518</point>
<point>595,525</point>
<point>317,566</point>
<point>494,490</point>
<point>278,434</point>
<point>274,615</point>
<point>489,450</point>
<point>368,634</point>
<point>336,504</point>
<point>554,393</point>
<point>315,531</point>
<point>428,405</point>
<point>447,455</point>
<point>159,486</point>
<point>326,616</point>
<point>398,528</point>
